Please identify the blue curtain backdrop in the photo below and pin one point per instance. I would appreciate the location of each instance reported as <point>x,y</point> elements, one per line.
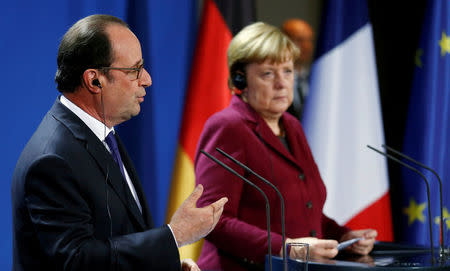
<point>31,32</point>
<point>427,136</point>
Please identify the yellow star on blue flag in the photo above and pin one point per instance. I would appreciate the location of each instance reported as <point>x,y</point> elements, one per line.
<point>446,215</point>
<point>415,211</point>
<point>444,43</point>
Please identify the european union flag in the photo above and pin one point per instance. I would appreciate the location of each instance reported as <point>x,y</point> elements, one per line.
<point>427,137</point>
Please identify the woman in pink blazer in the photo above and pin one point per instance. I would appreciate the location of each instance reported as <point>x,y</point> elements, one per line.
<point>256,130</point>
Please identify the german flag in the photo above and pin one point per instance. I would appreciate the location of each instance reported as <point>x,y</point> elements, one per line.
<point>207,93</point>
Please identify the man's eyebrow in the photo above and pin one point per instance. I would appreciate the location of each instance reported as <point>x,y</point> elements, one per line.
<point>138,63</point>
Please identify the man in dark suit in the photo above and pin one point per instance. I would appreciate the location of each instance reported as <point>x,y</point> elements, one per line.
<point>77,200</point>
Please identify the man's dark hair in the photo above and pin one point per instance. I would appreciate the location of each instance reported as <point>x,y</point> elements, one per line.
<point>85,45</point>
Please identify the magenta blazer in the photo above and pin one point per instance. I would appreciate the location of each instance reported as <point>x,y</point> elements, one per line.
<point>240,237</point>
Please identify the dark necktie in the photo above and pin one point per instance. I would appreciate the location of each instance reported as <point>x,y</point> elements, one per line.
<point>112,144</point>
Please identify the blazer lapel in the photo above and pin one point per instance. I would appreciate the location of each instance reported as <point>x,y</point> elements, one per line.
<point>271,140</point>
<point>263,131</point>
<point>136,183</point>
<point>101,155</point>
<point>300,150</point>
<point>118,183</point>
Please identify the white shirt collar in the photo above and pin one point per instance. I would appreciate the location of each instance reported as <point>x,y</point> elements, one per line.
<point>96,126</point>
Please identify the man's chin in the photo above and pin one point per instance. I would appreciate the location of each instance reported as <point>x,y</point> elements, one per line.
<point>136,112</point>
<point>132,114</point>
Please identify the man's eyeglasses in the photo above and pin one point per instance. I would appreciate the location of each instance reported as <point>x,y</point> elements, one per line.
<point>138,70</point>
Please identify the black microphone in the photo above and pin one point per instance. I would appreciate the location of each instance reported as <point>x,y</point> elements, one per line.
<point>283,232</point>
<point>428,192</point>
<point>269,240</point>
<point>441,241</point>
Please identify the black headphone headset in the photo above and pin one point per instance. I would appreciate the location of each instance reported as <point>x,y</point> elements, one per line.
<point>238,76</point>
<point>95,82</point>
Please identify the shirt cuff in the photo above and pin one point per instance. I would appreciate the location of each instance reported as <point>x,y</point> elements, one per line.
<point>173,235</point>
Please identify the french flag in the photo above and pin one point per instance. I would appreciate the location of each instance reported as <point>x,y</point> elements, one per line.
<point>343,115</point>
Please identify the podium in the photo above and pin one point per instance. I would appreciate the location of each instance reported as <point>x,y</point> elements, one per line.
<point>385,256</point>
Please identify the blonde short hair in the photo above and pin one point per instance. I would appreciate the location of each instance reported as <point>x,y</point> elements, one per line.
<point>259,42</point>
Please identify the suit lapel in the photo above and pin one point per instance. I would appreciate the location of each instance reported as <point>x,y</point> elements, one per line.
<point>299,150</point>
<point>136,183</point>
<point>101,155</point>
<point>271,140</point>
<point>117,181</point>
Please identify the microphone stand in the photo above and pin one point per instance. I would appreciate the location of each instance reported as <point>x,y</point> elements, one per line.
<point>283,232</point>
<point>428,193</point>
<point>269,240</point>
<point>441,241</point>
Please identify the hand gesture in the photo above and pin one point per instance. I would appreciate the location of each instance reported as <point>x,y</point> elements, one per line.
<point>190,223</point>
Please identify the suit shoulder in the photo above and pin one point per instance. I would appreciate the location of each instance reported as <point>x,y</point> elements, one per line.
<point>50,138</point>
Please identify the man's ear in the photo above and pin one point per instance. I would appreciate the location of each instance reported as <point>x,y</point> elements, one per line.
<point>91,81</point>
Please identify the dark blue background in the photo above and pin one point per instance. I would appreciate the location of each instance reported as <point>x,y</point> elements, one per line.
<point>30,35</point>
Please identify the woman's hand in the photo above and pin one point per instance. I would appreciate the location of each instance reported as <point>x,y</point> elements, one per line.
<point>363,246</point>
<point>318,248</point>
